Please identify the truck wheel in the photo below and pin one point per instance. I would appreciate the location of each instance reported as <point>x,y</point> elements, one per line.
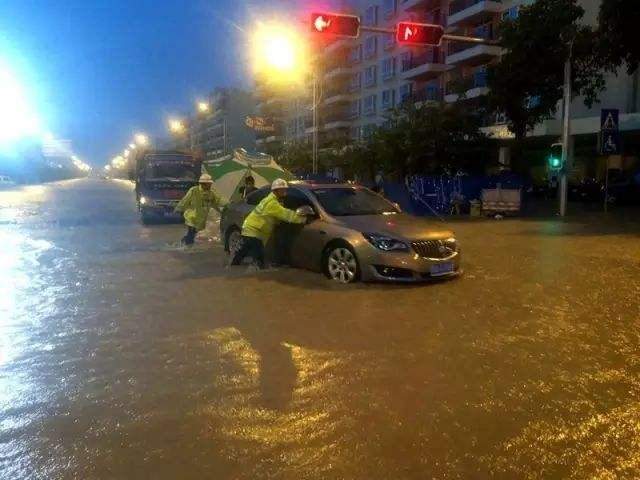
<point>146,217</point>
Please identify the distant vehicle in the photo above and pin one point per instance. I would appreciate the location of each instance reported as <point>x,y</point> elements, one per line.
<point>162,178</point>
<point>354,234</point>
<point>6,182</point>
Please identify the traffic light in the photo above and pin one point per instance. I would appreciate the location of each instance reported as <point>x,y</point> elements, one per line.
<point>554,159</point>
<point>334,24</point>
<point>408,33</point>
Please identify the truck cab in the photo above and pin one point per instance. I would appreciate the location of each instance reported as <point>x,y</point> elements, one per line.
<point>162,178</point>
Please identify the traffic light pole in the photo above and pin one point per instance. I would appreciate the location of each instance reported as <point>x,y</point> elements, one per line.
<point>566,132</point>
<point>314,135</point>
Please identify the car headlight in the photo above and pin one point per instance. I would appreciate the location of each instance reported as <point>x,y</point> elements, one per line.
<point>147,201</point>
<point>452,243</point>
<point>387,244</point>
<point>143,200</point>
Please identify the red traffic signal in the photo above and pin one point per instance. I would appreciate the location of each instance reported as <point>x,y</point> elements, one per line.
<point>334,24</point>
<point>425,34</point>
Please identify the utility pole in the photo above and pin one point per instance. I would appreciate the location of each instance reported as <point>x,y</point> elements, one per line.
<point>566,132</point>
<point>314,135</point>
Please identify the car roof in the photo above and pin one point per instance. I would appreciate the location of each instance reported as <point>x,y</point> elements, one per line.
<point>314,185</point>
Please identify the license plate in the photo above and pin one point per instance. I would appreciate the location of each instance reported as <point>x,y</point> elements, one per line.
<point>441,268</point>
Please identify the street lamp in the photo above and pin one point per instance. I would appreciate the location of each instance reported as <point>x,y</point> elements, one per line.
<point>141,139</point>
<point>203,107</point>
<point>279,53</point>
<point>176,126</point>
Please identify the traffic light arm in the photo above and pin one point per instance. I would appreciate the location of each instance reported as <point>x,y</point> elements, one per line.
<point>446,36</point>
<point>464,39</point>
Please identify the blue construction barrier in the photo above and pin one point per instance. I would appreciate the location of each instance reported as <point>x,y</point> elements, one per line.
<point>433,194</point>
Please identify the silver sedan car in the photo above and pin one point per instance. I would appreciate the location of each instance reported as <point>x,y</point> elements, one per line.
<point>353,234</point>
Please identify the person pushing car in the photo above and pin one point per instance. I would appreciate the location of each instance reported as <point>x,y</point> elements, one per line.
<point>259,224</point>
<point>196,205</point>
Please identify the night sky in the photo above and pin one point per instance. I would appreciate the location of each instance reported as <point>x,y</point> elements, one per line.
<point>99,70</point>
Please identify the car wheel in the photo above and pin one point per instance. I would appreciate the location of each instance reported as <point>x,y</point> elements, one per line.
<point>234,240</point>
<point>341,264</point>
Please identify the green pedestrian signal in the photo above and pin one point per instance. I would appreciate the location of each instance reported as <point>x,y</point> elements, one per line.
<point>554,159</point>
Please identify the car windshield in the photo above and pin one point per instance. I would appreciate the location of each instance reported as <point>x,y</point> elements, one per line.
<point>347,201</point>
<point>171,170</point>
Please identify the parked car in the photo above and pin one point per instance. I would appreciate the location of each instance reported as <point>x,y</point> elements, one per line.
<point>355,234</point>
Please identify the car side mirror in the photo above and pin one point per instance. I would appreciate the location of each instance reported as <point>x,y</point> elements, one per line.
<point>305,211</point>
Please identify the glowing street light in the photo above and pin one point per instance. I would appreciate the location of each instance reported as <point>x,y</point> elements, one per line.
<point>18,118</point>
<point>141,139</point>
<point>280,53</point>
<point>176,126</point>
<point>203,107</point>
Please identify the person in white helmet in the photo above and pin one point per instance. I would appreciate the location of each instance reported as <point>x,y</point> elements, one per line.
<point>196,205</point>
<point>259,224</point>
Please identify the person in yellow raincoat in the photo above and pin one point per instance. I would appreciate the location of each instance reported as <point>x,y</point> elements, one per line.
<point>196,205</point>
<point>259,224</point>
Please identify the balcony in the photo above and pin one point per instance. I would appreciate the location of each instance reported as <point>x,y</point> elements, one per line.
<point>424,66</point>
<point>471,86</point>
<point>339,45</point>
<point>428,94</point>
<point>417,5</point>
<point>337,97</point>
<point>337,120</point>
<point>337,72</point>
<point>464,12</point>
<point>474,54</point>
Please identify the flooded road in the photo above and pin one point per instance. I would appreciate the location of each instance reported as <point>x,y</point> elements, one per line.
<point>123,356</point>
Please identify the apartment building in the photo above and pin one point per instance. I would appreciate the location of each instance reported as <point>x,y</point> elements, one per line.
<point>224,126</point>
<point>366,77</point>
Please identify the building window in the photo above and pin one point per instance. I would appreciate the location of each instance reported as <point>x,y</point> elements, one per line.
<point>370,76</point>
<point>355,56</point>
<point>389,41</point>
<point>388,68</point>
<point>388,99</point>
<point>406,61</point>
<point>371,16</point>
<point>354,109</point>
<point>356,81</point>
<point>369,105</point>
<point>354,132</point>
<point>389,8</point>
<point>370,47</point>
<point>405,92</point>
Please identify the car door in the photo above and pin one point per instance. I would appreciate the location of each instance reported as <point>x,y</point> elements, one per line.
<point>306,241</point>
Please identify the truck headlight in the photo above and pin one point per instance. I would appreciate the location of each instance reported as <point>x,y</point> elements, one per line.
<point>385,243</point>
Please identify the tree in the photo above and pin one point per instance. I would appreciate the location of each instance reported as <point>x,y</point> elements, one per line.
<point>527,83</point>
<point>420,137</point>
<point>618,21</point>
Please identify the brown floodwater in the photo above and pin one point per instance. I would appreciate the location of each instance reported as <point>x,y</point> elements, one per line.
<point>124,356</point>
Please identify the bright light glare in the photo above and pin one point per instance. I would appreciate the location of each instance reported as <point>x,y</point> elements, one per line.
<point>176,126</point>
<point>203,107</point>
<point>279,50</point>
<point>141,139</point>
<point>17,118</point>
<point>132,146</point>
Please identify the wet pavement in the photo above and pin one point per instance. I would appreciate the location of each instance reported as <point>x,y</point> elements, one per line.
<point>123,356</point>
